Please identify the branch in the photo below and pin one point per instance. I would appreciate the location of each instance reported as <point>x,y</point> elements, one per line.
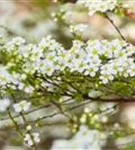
<point>61,113</point>
<point>29,132</point>
<point>15,123</point>
<point>34,110</point>
<point>25,123</point>
<point>70,109</point>
<point>117,29</point>
<point>61,110</point>
<point>116,100</point>
<point>58,113</point>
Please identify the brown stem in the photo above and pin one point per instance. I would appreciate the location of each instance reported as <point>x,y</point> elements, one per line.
<point>114,25</point>
<point>15,123</point>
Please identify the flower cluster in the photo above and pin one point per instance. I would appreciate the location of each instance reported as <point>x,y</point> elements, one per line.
<point>62,15</point>
<point>6,77</point>
<point>98,5</point>
<point>84,139</point>
<point>106,60</point>
<point>31,140</point>
<point>109,59</point>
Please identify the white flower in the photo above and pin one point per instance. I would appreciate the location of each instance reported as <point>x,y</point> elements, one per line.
<point>84,139</point>
<point>98,5</point>
<point>28,140</point>
<point>77,29</point>
<point>18,40</point>
<point>4,104</point>
<point>6,77</point>
<point>29,89</point>
<point>22,106</point>
<point>29,127</point>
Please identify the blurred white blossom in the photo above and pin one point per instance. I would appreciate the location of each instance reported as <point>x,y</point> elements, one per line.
<point>85,139</point>
<point>22,106</point>
<point>78,29</point>
<point>4,104</point>
<point>28,139</point>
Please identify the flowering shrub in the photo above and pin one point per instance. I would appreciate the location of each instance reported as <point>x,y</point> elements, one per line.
<point>93,75</point>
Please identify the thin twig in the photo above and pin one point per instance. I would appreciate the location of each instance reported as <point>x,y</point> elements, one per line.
<point>28,132</point>
<point>114,25</point>
<point>25,123</point>
<point>35,109</point>
<point>59,113</point>
<point>15,123</point>
<point>61,110</point>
